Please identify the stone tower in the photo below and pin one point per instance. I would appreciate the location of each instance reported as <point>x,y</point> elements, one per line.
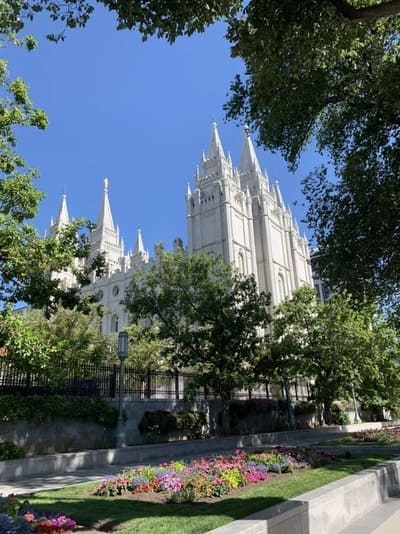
<point>236,214</point>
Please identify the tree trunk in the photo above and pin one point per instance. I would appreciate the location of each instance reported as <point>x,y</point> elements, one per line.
<point>225,421</point>
<point>327,411</point>
<point>290,411</point>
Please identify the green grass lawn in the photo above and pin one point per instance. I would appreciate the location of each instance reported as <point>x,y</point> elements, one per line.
<point>129,516</point>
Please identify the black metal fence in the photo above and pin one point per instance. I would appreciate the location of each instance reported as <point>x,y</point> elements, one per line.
<point>103,381</point>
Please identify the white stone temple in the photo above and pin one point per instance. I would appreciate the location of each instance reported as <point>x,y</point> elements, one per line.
<point>232,212</point>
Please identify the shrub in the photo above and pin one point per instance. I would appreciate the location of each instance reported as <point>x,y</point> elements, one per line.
<point>43,409</point>
<point>10,451</point>
<point>304,407</point>
<point>339,416</point>
<point>162,422</point>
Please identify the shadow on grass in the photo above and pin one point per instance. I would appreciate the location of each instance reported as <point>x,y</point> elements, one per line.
<point>131,516</point>
<point>114,513</point>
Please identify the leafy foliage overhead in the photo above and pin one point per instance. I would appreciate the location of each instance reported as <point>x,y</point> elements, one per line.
<point>326,69</point>
<point>28,262</point>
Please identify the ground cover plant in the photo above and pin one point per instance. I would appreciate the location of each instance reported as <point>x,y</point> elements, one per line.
<point>383,436</point>
<point>380,436</point>
<point>141,512</point>
<point>18,517</point>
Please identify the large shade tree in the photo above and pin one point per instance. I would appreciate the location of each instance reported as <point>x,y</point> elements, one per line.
<point>341,345</point>
<point>214,316</point>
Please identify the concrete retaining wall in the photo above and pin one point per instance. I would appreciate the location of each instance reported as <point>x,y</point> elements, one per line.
<point>326,510</point>
<point>61,435</point>
<point>134,411</point>
<point>69,462</point>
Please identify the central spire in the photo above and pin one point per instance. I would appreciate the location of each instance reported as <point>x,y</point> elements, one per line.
<point>139,247</point>
<point>63,216</point>
<point>215,148</point>
<point>105,220</point>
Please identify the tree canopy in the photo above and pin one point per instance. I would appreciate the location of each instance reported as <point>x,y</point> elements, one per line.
<point>340,346</point>
<point>29,263</point>
<point>34,343</point>
<point>213,315</point>
<point>322,69</point>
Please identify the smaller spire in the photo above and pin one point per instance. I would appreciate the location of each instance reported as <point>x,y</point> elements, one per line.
<point>215,148</point>
<point>266,179</point>
<point>105,182</point>
<point>139,248</point>
<point>278,194</point>
<point>188,191</point>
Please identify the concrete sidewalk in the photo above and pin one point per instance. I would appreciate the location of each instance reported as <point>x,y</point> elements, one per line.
<point>60,480</point>
<point>384,519</point>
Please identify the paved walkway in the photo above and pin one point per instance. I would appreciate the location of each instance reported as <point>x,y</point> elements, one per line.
<point>385,519</point>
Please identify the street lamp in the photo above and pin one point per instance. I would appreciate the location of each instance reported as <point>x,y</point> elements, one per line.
<point>356,417</point>
<point>122,354</point>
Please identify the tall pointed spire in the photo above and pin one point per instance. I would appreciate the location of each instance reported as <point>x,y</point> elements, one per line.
<point>278,194</point>
<point>248,160</point>
<point>63,217</point>
<point>215,147</point>
<point>139,247</point>
<point>105,220</point>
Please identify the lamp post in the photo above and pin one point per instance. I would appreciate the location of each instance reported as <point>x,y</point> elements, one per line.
<point>356,417</point>
<point>122,354</point>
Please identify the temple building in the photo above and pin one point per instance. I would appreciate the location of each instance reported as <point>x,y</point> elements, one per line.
<point>232,212</point>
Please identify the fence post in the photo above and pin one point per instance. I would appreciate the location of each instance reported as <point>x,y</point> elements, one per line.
<point>176,384</point>
<point>28,382</point>
<point>148,385</point>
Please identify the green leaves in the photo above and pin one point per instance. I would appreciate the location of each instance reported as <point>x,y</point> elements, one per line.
<point>213,316</point>
<point>339,344</point>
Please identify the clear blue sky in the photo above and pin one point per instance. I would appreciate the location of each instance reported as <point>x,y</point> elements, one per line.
<point>137,113</point>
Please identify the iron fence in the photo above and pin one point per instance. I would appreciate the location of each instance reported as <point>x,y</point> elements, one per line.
<point>95,380</point>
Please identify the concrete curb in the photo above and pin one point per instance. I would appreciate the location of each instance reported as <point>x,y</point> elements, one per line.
<point>33,466</point>
<point>326,510</point>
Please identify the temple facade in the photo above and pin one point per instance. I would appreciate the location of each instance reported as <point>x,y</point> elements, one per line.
<point>232,212</point>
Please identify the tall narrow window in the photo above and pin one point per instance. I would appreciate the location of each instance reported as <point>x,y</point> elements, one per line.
<point>281,287</point>
<point>241,263</point>
<point>114,323</point>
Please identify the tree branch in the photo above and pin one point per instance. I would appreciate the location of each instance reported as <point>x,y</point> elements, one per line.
<point>362,14</point>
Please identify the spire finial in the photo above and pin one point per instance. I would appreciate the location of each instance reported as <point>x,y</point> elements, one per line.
<point>105,182</point>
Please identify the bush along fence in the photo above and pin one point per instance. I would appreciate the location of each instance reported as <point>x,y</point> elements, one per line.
<point>91,380</point>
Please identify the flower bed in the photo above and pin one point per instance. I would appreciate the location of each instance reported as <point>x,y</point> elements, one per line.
<point>213,476</point>
<point>385,436</point>
<point>17,517</point>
